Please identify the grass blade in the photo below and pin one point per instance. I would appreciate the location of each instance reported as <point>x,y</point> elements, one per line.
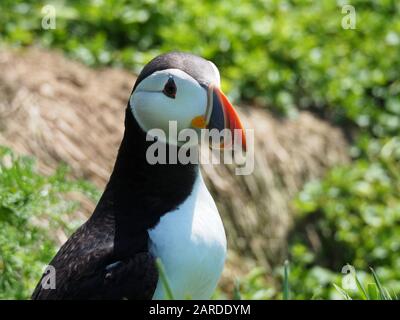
<point>236,291</point>
<point>286,292</point>
<point>373,291</point>
<point>388,296</point>
<point>361,289</point>
<point>168,292</point>
<point>344,294</point>
<point>382,292</point>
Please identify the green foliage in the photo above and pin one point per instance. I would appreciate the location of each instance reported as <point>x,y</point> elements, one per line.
<point>352,216</point>
<point>253,286</point>
<point>347,286</point>
<point>286,54</point>
<point>31,207</point>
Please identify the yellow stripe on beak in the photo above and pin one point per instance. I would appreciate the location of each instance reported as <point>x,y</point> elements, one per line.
<point>199,122</point>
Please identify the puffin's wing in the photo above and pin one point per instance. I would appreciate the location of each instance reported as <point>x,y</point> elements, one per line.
<point>85,253</point>
<point>86,268</point>
<point>134,279</point>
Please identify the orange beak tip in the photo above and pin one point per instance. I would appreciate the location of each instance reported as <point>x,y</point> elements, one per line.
<point>233,119</point>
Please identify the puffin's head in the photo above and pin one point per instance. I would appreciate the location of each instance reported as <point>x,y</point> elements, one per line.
<point>184,88</point>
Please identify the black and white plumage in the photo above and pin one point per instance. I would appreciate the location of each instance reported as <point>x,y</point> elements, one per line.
<point>152,210</point>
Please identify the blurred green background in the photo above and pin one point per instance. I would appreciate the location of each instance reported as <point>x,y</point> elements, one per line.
<point>282,55</point>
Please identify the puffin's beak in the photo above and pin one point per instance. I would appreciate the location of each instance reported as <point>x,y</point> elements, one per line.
<point>220,115</point>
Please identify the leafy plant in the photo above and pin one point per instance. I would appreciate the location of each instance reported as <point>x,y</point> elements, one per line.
<point>353,215</point>
<point>286,55</point>
<point>32,206</point>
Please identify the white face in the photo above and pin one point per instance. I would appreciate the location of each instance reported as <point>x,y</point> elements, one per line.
<point>155,102</point>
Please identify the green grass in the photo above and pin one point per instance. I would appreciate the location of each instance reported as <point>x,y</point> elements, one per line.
<point>286,288</point>
<point>373,291</point>
<point>370,288</point>
<point>164,280</point>
<point>32,208</point>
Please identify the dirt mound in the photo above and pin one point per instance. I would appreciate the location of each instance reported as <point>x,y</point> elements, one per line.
<point>62,111</point>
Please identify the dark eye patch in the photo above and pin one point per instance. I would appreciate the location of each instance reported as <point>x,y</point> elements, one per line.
<point>170,88</point>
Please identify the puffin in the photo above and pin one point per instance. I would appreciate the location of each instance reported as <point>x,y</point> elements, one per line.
<point>152,211</point>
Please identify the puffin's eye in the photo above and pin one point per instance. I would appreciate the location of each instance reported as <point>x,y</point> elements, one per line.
<point>170,88</point>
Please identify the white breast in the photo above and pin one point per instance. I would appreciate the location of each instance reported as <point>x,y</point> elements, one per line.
<point>191,243</point>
